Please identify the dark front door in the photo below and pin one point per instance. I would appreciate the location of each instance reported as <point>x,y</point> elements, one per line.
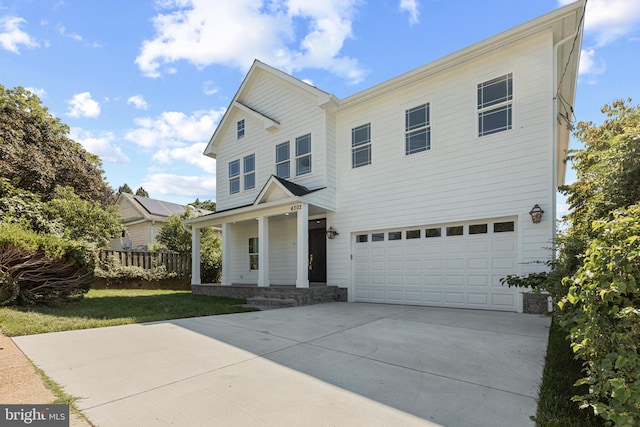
<point>317,255</point>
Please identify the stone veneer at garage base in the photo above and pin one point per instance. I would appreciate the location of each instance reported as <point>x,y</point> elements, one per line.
<point>269,297</point>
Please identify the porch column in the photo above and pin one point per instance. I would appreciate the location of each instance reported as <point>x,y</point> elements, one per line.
<point>195,256</point>
<point>263,251</point>
<point>226,254</point>
<point>302,246</point>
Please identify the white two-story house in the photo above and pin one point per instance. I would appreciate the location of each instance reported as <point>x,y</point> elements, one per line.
<point>415,191</point>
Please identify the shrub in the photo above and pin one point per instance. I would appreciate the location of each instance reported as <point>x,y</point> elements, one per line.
<point>115,272</point>
<point>603,314</point>
<point>37,269</point>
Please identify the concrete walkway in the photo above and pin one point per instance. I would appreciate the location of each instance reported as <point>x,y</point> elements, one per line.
<point>338,364</point>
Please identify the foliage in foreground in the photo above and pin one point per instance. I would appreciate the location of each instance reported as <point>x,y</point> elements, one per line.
<point>604,299</point>
<point>38,269</point>
<point>111,307</point>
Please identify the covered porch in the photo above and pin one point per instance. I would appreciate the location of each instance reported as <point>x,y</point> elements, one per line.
<point>269,248</point>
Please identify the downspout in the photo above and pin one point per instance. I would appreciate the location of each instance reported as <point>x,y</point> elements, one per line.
<point>554,184</point>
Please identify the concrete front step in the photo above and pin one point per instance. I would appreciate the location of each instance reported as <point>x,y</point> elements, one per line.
<point>264,303</point>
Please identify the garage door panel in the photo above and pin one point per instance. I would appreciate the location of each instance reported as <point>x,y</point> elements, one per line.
<point>455,271</point>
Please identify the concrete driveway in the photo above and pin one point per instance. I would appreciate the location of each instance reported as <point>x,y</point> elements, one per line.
<point>338,364</point>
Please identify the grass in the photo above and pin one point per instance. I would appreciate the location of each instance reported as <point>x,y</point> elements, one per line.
<point>111,307</point>
<point>561,371</point>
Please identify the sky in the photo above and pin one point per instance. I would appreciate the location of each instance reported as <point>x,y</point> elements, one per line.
<point>143,84</point>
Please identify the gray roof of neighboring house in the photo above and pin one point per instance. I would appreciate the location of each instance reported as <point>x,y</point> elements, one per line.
<point>159,207</point>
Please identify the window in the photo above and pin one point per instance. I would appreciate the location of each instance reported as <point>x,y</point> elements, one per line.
<point>395,235</point>
<point>240,129</point>
<point>361,146</point>
<point>362,238</point>
<point>455,231</point>
<point>417,135</point>
<point>433,232</point>
<point>250,172</point>
<point>478,229</point>
<point>377,237</point>
<point>282,161</point>
<point>234,177</point>
<point>495,100</point>
<point>502,227</point>
<point>253,253</point>
<point>303,154</point>
<point>413,234</point>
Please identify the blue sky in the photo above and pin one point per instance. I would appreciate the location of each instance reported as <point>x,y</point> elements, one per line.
<point>143,84</point>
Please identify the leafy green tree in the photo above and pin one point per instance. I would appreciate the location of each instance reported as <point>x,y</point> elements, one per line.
<point>37,155</point>
<point>142,192</point>
<point>125,189</point>
<point>209,205</point>
<point>608,172</point>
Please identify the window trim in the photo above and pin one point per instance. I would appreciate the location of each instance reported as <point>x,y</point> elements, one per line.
<point>495,106</point>
<point>234,177</point>
<point>416,129</point>
<point>246,173</point>
<point>286,161</point>
<point>240,129</point>
<point>360,146</point>
<point>304,155</point>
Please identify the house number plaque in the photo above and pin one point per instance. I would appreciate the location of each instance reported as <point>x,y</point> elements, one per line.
<point>295,208</point>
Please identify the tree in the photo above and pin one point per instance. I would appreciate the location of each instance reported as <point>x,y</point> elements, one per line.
<point>142,192</point>
<point>37,155</point>
<point>209,205</point>
<point>608,172</point>
<point>125,189</point>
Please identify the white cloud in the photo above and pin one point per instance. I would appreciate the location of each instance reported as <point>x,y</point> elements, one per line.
<point>138,102</point>
<point>590,64</point>
<point>291,35</point>
<point>411,7</point>
<point>100,145</point>
<point>191,154</point>
<point>73,36</point>
<point>209,88</point>
<point>81,105</point>
<point>203,187</point>
<point>11,36</point>
<point>41,93</point>
<point>174,129</point>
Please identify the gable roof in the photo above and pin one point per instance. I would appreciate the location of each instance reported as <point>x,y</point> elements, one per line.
<point>270,123</point>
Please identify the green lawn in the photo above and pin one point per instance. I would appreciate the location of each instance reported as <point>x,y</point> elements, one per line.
<point>561,371</point>
<point>110,307</point>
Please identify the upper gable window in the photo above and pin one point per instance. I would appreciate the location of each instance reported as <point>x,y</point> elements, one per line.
<point>283,166</point>
<point>250,172</point>
<point>240,129</point>
<point>303,154</point>
<point>361,146</point>
<point>234,177</point>
<point>495,105</point>
<point>417,135</point>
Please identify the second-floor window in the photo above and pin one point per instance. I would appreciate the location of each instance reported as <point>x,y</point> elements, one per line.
<point>417,135</point>
<point>303,154</point>
<point>250,172</point>
<point>495,105</point>
<point>240,129</point>
<point>234,177</point>
<point>283,166</point>
<point>361,146</point>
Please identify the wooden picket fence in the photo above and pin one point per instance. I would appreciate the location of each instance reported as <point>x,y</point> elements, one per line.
<point>173,262</point>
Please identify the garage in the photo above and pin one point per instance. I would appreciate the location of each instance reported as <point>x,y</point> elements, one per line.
<point>449,265</point>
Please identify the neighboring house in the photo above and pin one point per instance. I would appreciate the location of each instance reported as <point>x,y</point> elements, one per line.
<point>143,219</point>
<point>415,191</point>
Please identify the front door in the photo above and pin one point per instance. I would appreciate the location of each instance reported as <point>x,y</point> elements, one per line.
<point>317,255</point>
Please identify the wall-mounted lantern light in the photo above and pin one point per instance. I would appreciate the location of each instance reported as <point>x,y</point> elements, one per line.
<point>536,214</point>
<point>332,233</point>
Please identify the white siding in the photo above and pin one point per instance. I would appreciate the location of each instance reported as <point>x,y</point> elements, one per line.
<point>462,177</point>
<point>298,114</point>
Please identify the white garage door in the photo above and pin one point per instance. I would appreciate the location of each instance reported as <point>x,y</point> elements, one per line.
<point>458,265</point>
